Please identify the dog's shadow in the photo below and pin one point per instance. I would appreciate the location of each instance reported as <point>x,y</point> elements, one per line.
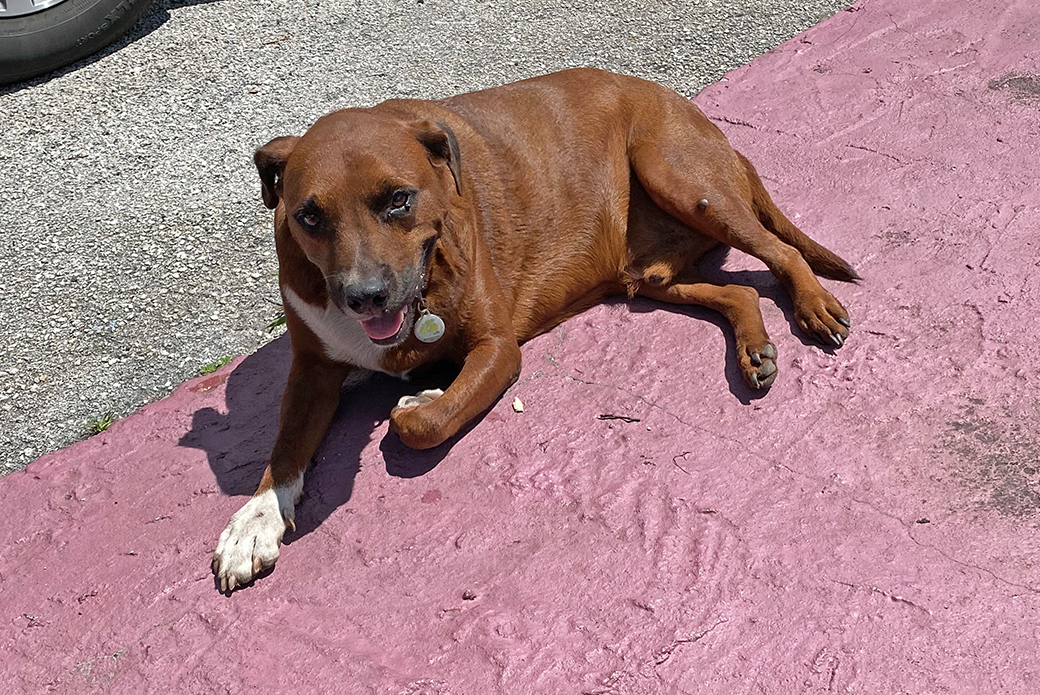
<point>238,443</point>
<point>711,269</point>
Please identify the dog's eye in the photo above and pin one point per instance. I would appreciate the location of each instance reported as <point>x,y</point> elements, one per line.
<point>309,218</point>
<point>399,200</point>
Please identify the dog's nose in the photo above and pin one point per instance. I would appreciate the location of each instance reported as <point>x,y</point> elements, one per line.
<point>367,295</point>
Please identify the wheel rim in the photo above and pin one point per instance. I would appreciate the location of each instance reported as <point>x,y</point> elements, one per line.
<point>18,8</point>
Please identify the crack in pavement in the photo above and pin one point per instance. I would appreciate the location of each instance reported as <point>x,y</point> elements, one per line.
<point>665,653</point>
<point>654,404</point>
<point>907,528</point>
<point>909,532</point>
<point>887,594</point>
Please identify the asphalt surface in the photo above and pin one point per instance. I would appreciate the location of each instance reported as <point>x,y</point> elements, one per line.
<point>135,246</point>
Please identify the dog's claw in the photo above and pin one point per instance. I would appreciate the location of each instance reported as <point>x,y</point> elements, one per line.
<point>760,368</point>
<point>837,339</point>
<point>765,376</point>
<point>844,321</point>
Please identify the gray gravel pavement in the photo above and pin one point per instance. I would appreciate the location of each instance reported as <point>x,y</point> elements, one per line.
<point>135,246</point>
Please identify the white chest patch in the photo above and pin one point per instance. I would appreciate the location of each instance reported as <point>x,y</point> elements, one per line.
<point>343,338</point>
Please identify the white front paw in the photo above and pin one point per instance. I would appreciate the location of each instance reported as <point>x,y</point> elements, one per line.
<point>251,539</point>
<point>419,398</point>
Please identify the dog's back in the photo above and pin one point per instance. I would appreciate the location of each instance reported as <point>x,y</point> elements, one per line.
<point>549,159</point>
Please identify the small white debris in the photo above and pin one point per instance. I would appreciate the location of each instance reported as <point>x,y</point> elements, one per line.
<point>518,406</point>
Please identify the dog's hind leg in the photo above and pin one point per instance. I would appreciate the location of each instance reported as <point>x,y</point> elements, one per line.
<point>823,261</point>
<point>689,171</point>
<point>739,304</point>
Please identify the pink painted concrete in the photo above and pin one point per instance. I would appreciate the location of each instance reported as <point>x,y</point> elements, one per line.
<point>869,526</point>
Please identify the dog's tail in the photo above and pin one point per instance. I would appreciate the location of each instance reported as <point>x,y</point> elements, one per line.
<point>822,261</point>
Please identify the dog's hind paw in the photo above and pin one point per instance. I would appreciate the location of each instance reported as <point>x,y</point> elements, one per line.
<point>823,318</point>
<point>419,398</point>
<point>759,366</point>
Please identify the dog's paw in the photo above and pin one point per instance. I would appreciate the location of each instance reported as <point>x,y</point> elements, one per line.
<point>758,364</point>
<point>250,542</point>
<point>824,318</point>
<point>418,399</point>
<point>417,423</point>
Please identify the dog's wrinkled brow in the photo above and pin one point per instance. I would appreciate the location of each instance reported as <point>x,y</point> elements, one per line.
<point>310,205</point>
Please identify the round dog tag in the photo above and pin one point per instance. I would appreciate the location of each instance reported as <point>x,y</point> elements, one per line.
<point>429,328</point>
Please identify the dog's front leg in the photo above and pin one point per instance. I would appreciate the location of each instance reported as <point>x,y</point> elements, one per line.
<point>489,369</point>
<point>251,541</point>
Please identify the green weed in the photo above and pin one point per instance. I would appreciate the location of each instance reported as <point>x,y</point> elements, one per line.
<point>100,424</point>
<point>214,366</point>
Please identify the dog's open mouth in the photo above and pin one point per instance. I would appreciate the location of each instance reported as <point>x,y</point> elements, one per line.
<point>386,329</point>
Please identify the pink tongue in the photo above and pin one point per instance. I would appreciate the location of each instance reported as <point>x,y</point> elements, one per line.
<point>384,326</point>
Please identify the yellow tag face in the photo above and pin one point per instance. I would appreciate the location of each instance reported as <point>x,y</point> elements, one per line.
<point>429,328</point>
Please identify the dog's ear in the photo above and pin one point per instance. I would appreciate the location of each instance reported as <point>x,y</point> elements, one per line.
<point>440,142</point>
<point>270,163</point>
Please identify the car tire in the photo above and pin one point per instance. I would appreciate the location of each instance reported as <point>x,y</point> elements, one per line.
<point>32,44</point>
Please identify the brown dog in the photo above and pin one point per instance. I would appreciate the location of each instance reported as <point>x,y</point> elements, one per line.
<point>502,213</point>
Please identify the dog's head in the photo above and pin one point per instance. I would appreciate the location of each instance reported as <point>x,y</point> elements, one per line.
<point>365,196</point>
